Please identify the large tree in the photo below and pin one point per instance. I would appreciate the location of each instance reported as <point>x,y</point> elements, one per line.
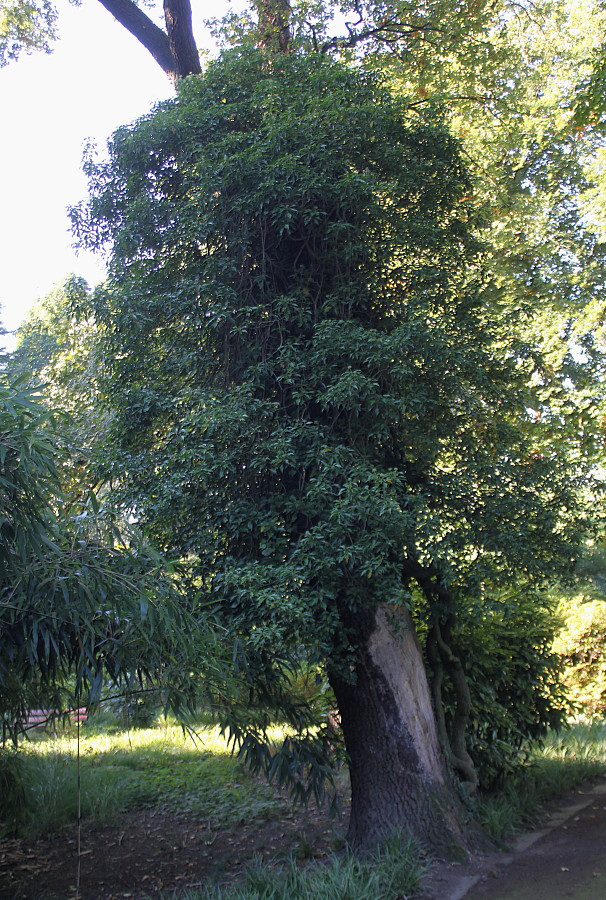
<point>315,400</point>
<point>462,489</point>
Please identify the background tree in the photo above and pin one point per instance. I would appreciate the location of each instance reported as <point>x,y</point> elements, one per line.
<point>56,350</point>
<point>25,26</point>
<point>292,290</point>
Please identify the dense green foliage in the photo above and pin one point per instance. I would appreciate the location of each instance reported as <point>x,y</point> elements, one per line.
<point>341,368</point>
<point>581,647</point>
<point>316,393</point>
<point>563,761</point>
<point>515,680</point>
<point>590,106</point>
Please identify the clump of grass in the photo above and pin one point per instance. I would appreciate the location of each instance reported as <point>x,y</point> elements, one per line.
<point>12,792</point>
<point>49,784</point>
<point>392,873</point>
<point>565,760</point>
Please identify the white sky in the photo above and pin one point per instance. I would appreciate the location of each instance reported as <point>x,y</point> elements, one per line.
<point>97,78</point>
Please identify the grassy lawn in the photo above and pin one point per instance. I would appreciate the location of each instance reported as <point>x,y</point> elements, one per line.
<point>121,771</point>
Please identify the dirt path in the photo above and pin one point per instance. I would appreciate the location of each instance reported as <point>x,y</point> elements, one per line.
<point>566,860</point>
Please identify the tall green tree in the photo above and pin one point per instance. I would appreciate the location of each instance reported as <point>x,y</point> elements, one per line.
<point>314,398</point>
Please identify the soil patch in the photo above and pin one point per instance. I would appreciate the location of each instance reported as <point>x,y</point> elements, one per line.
<point>152,851</point>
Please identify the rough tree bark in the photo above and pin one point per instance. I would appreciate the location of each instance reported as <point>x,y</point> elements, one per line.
<point>443,660</point>
<point>179,29</point>
<point>398,776</point>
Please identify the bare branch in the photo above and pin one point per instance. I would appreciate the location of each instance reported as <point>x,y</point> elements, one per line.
<point>389,31</point>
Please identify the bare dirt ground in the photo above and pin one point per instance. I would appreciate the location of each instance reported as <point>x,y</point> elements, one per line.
<point>151,852</point>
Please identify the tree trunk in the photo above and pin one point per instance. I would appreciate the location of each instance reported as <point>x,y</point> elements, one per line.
<point>274,25</point>
<point>179,29</point>
<point>398,776</point>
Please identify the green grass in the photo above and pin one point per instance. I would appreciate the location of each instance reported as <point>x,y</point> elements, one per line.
<point>565,760</point>
<point>123,771</point>
<point>393,873</point>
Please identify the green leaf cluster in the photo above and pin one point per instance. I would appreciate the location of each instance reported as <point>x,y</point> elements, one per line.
<point>25,25</point>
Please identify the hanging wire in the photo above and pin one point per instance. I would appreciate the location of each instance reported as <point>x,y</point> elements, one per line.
<point>79,785</point>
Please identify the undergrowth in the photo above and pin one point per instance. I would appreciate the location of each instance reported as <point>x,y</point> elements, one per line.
<point>125,771</point>
<point>564,760</point>
<point>392,873</point>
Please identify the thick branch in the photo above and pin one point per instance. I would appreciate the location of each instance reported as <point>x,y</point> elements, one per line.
<point>462,712</point>
<point>174,51</point>
<point>441,657</point>
<point>147,33</point>
<point>428,579</point>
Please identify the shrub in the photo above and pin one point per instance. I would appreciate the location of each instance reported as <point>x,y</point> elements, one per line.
<point>514,678</point>
<point>138,710</point>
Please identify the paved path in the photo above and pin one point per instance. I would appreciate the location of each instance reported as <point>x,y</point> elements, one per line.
<point>566,860</point>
